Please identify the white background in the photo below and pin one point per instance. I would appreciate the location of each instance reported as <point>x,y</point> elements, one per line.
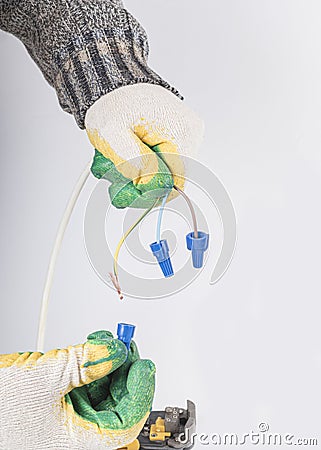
<point>246,350</point>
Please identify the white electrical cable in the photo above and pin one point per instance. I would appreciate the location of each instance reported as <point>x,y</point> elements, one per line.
<point>54,255</point>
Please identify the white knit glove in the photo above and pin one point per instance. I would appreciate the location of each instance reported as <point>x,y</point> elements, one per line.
<point>140,132</point>
<point>109,397</point>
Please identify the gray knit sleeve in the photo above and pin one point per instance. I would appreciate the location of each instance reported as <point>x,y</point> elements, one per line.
<point>84,48</point>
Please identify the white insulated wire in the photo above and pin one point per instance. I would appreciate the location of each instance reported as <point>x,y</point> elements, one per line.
<point>54,255</point>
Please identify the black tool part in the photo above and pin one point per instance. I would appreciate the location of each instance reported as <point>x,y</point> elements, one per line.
<point>181,423</point>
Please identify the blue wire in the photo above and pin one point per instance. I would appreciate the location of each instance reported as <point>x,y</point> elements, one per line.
<point>160,216</point>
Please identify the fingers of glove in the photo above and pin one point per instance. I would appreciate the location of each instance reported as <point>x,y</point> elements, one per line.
<point>98,391</point>
<point>124,192</point>
<point>105,393</point>
<point>119,144</point>
<point>140,392</point>
<point>118,385</point>
<point>123,196</point>
<point>138,171</point>
<point>134,406</point>
<point>82,364</point>
<point>125,419</point>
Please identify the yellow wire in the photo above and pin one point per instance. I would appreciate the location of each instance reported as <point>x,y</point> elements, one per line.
<point>122,240</point>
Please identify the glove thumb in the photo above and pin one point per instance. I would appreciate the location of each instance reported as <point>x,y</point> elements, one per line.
<point>78,365</point>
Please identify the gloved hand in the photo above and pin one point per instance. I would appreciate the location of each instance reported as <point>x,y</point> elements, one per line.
<point>84,397</point>
<point>139,133</point>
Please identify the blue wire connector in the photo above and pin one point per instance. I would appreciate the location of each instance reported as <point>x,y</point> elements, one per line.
<point>198,246</point>
<point>125,333</point>
<point>161,252</point>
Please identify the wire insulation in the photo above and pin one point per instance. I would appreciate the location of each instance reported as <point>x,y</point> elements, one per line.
<point>54,255</point>
<point>125,236</point>
<point>190,205</point>
<point>160,217</point>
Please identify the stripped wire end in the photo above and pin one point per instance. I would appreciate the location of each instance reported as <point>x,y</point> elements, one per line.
<point>115,282</point>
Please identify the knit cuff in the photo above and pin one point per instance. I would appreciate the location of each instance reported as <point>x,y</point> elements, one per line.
<point>99,62</point>
<point>84,48</point>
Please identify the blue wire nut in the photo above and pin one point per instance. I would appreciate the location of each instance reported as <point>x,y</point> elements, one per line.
<point>125,333</point>
<point>198,246</point>
<point>161,252</point>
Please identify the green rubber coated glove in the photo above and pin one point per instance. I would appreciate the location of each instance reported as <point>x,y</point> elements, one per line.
<point>92,396</point>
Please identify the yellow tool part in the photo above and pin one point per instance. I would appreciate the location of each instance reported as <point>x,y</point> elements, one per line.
<point>157,431</point>
<point>133,446</point>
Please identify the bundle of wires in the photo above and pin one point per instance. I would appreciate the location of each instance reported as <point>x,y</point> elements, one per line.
<point>114,275</point>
